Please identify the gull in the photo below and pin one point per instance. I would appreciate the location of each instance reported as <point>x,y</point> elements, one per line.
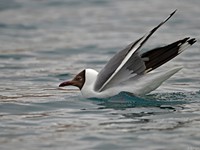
<point>130,70</point>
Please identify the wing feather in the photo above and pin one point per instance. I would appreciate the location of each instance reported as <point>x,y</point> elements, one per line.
<point>127,59</point>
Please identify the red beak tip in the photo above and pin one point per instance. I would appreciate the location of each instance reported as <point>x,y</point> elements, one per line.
<point>60,85</point>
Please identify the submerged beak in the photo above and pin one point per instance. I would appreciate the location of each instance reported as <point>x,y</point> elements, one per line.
<point>66,83</point>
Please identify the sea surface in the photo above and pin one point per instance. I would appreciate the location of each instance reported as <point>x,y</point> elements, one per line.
<point>44,42</point>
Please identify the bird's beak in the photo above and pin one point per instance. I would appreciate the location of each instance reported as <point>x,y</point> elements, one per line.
<point>66,83</point>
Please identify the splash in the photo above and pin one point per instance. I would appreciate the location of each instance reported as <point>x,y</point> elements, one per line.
<point>163,100</point>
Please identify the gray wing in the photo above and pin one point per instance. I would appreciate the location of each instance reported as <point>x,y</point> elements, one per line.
<point>125,64</point>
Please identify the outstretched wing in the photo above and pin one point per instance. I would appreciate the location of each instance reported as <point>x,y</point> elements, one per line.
<point>158,56</point>
<point>125,63</point>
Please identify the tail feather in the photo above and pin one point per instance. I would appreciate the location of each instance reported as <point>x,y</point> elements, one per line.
<point>158,56</point>
<point>149,82</point>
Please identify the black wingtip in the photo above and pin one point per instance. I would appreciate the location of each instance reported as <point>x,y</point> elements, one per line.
<point>167,18</point>
<point>173,12</point>
<point>192,41</point>
<point>185,40</point>
<point>189,40</point>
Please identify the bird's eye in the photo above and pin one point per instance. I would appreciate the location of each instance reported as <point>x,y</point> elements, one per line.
<point>78,78</point>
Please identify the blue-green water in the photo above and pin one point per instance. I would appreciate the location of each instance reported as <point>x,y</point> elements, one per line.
<point>43,42</point>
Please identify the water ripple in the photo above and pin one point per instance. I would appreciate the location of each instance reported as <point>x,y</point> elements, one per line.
<point>43,43</point>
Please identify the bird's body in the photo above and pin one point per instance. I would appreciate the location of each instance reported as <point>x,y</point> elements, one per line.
<point>130,69</point>
<point>140,85</point>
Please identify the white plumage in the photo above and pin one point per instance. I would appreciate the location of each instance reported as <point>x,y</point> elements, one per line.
<point>130,69</point>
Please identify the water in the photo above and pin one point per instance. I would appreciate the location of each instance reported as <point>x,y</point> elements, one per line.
<point>43,43</point>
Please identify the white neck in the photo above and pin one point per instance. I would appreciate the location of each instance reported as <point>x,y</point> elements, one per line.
<point>88,87</point>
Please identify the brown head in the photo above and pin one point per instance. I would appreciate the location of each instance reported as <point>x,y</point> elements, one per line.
<point>77,81</point>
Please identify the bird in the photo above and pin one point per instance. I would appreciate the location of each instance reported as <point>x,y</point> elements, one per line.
<point>130,70</point>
